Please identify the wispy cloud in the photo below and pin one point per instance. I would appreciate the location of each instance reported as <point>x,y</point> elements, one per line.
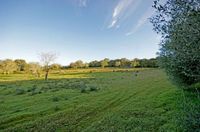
<point>83,3</point>
<point>141,21</point>
<point>122,7</point>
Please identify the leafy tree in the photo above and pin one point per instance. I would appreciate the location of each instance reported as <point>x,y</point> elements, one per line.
<point>117,64</point>
<point>86,65</point>
<point>47,59</point>
<point>104,62</point>
<point>153,62</point>
<point>21,64</point>
<point>77,64</point>
<point>34,68</point>
<point>135,63</point>
<point>178,22</point>
<point>125,62</point>
<point>55,66</point>
<point>94,64</point>
<point>144,63</point>
<point>8,66</point>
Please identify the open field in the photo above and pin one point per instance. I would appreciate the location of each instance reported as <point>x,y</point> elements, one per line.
<point>89,101</point>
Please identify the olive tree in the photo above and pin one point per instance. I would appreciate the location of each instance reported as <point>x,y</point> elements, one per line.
<point>178,22</point>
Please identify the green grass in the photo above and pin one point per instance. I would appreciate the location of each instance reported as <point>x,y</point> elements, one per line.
<point>89,101</point>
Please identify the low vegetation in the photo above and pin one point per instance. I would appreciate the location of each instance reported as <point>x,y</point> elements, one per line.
<point>95,100</point>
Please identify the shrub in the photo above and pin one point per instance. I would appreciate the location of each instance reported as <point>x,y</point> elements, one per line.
<point>32,89</point>
<point>66,98</point>
<point>55,99</point>
<point>19,91</point>
<point>83,90</point>
<point>33,93</point>
<point>56,108</point>
<point>93,88</point>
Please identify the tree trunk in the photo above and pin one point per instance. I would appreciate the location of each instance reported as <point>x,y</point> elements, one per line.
<point>46,74</point>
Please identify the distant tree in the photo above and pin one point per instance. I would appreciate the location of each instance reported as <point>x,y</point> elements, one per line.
<point>86,65</point>
<point>1,69</point>
<point>104,63</point>
<point>117,64</point>
<point>21,64</point>
<point>135,63</point>
<point>94,64</point>
<point>144,63</point>
<point>73,65</point>
<point>55,66</point>
<point>77,64</point>
<point>34,68</point>
<point>153,62</point>
<point>47,59</point>
<point>111,63</point>
<point>125,63</point>
<point>80,64</point>
<point>8,66</point>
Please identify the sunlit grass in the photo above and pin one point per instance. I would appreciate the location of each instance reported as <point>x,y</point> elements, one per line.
<point>121,100</point>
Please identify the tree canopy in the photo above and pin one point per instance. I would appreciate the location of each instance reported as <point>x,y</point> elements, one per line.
<point>178,22</point>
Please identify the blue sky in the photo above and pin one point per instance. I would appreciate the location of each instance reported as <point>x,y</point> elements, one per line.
<point>77,29</point>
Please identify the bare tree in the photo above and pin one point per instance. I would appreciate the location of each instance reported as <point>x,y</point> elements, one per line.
<point>47,59</point>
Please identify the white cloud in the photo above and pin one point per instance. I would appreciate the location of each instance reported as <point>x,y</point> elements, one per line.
<point>141,21</point>
<point>112,24</point>
<point>83,3</point>
<point>122,7</point>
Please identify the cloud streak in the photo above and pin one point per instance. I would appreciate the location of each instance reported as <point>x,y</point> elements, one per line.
<point>141,21</point>
<point>120,9</point>
<point>83,3</point>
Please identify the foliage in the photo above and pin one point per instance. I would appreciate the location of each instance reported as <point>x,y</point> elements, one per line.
<point>117,64</point>
<point>8,66</point>
<point>21,64</point>
<point>34,68</point>
<point>94,64</point>
<point>77,64</point>
<point>189,117</point>
<point>178,22</point>
<point>104,63</point>
<point>55,66</point>
<point>135,63</point>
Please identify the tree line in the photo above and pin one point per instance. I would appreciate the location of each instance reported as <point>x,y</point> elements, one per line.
<point>121,63</point>
<point>8,66</point>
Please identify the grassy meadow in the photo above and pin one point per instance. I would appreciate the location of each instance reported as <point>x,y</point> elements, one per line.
<point>90,100</point>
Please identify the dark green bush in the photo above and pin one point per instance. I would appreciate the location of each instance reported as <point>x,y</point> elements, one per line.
<point>56,108</point>
<point>83,90</point>
<point>93,88</point>
<point>55,99</point>
<point>31,89</point>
